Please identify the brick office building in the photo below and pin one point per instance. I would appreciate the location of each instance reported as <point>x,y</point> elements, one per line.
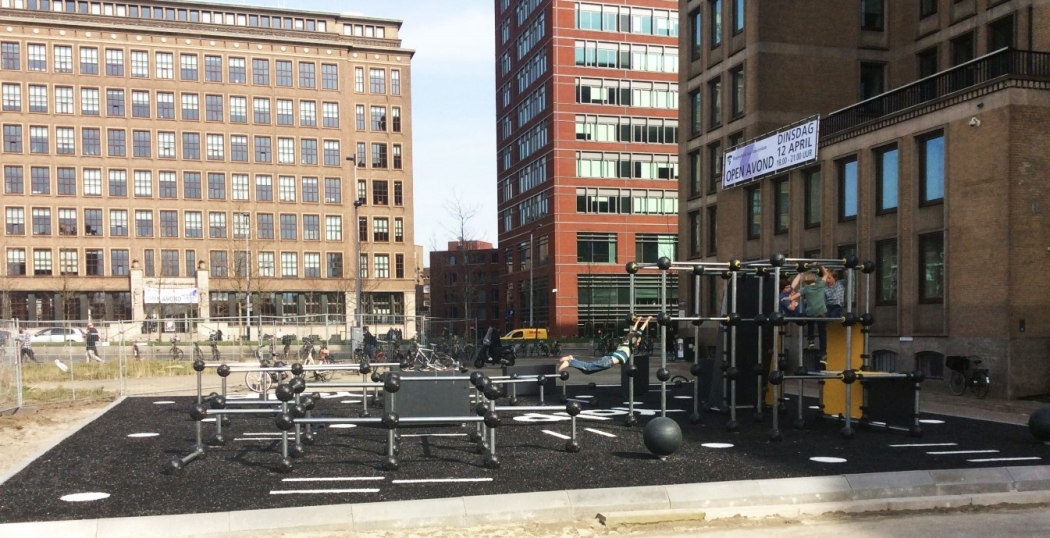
<point>932,163</point>
<point>151,149</point>
<point>587,127</point>
<point>464,288</point>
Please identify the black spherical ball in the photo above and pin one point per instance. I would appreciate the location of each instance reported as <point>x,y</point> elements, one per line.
<point>480,409</point>
<point>662,436</point>
<point>223,370</point>
<point>492,392</point>
<point>198,412</point>
<point>219,439</point>
<point>777,260</point>
<point>295,450</point>
<point>298,411</point>
<point>375,377</point>
<point>631,267</point>
<point>663,374</point>
<point>490,461</point>
<point>564,375</point>
<point>492,420</point>
<point>284,422</point>
<point>364,367</point>
<point>698,270</point>
<point>572,446</point>
<point>390,420</point>
<point>474,378</point>
<point>663,263</point>
<point>297,385</point>
<point>592,385</point>
<point>198,365</point>
<point>473,436</point>
<point>481,446</point>
<point>392,383</point>
<point>297,369</point>
<point>631,371</point>
<point>776,377</point>
<point>541,380</point>
<point>284,393</point>
<point>309,403</point>
<point>172,466</point>
<point>1039,424</point>
<point>218,402</point>
<point>308,438</point>
<point>390,463</point>
<point>573,408</point>
<point>849,376</point>
<point>284,465</point>
<point>695,370</point>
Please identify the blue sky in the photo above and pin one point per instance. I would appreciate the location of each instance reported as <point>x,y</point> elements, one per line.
<point>453,104</point>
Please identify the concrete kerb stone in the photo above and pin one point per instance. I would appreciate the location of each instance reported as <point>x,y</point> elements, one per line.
<point>83,528</point>
<point>1030,478</point>
<point>811,489</point>
<point>714,494</point>
<point>971,481</point>
<point>409,514</point>
<point>889,485</point>
<point>297,517</point>
<point>543,507</point>
<point>586,503</point>
<point>178,524</point>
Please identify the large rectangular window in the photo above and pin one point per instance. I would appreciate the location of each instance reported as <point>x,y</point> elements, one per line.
<point>931,169</point>
<point>696,101</point>
<point>714,99</point>
<point>697,37</point>
<point>714,164</point>
<point>595,247</point>
<point>738,16</point>
<point>886,272</point>
<point>872,80</point>
<point>963,49</point>
<point>781,205</point>
<point>712,230</point>
<point>886,170</point>
<point>814,189</point>
<point>737,101</point>
<point>716,23</point>
<point>1001,33</point>
<point>848,189</point>
<point>648,248</point>
<point>931,268</point>
<point>754,212</point>
<point>871,17</point>
<point>927,62</point>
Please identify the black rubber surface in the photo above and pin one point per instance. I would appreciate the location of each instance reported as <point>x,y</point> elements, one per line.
<point>102,458</point>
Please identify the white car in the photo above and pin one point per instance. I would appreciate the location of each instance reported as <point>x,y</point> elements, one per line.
<point>58,334</point>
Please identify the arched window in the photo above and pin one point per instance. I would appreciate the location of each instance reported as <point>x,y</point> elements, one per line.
<point>930,362</point>
<point>885,360</point>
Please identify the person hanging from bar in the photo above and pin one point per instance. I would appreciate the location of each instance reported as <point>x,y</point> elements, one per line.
<point>619,356</point>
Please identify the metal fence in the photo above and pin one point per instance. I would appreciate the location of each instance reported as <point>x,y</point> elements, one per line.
<point>154,355</point>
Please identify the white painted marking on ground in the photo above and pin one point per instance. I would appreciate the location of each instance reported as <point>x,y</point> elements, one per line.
<point>311,491</point>
<point>599,432</point>
<point>588,415</point>
<point>986,460</point>
<point>825,459</point>
<point>163,402</point>
<point>617,385</point>
<point>556,434</point>
<point>141,435</point>
<point>953,452</point>
<point>208,420</point>
<point>930,421</point>
<point>84,497</point>
<point>814,407</point>
<point>877,423</point>
<point>683,397</point>
<point>335,479</point>
<point>440,480</point>
<point>922,445</point>
<point>585,396</point>
<point>433,435</point>
<point>717,445</point>
<point>290,438</point>
<point>342,426</point>
<point>636,404</point>
<point>350,401</point>
<point>269,397</point>
<point>263,434</point>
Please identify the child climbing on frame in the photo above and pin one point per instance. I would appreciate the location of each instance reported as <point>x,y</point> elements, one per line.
<point>620,356</point>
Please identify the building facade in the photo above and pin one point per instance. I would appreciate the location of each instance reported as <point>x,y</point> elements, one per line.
<point>932,141</point>
<point>169,158</point>
<point>587,127</point>
<point>465,287</point>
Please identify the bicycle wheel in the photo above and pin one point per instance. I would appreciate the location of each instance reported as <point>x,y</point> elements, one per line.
<point>442,362</point>
<point>176,354</point>
<point>957,383</point>
<point>257,381</point>
<point>215,355</point>
<point>981,385</point>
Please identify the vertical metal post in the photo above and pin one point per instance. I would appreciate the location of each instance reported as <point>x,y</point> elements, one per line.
<point>492,431</point>
<point>18,365</point>
<point>630,359</point>
<point>391,438</point>
<point>696,348</point>
<point>663,342</point>
<point>732,357</point>
<point>760,378</point>
<point>778,390</point>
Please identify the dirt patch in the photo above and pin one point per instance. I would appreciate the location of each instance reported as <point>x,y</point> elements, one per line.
<point>25,432</point>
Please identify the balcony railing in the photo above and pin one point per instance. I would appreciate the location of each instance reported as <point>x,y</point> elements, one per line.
<point>999,65</point>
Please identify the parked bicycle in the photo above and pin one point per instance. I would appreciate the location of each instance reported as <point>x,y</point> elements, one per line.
<point>175,352</point>
<point>977,380</point>
<point>428,359</point>
<point>262,381</point>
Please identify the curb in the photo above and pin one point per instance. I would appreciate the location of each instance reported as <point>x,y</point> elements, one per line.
<point>752,499</point>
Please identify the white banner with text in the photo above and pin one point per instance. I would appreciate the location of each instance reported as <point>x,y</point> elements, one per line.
<point>769,155</point>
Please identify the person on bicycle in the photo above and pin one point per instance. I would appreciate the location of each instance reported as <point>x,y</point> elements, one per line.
<point>620,356</point>
<point>92,341</point>
<point>322,355</point>
<point>370,344</point>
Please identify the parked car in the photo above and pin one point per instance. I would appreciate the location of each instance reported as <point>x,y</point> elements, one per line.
<point>59,334</point>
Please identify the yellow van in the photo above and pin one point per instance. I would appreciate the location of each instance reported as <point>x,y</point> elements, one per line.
<point>523,335</point>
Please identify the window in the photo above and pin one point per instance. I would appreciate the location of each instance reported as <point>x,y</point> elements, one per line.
<point>191,185</point>
<point>190,106</point>
<point>94,263</point>
<point>143,223</point>
<point>264,188</point>
<point>380,192</point>
<point>886,170</point>
<point>169,223</point>
<point>115,103</point>
<point>331,153</point>
<point>143,184</point>
<point>962,49</point>
<point>12,139</point>
<point>359,159</point>
<point>379,118</point>
<point>781,205</point>
<point>12,97</point>
<point>376,80</point>
<point>595,248</point>
<point>289,264</point>
<point>886,272</point>
<point>239,148</point>
<point>216,186</point>
<point>89,101</point>
<point>37,98</point>
<point>381,229</point>
<point>116,142</point>
<point>399,194</point>
<point>308,150</point>
<point>284,73</point>
<point>311,228</point>
<point>872,80</point>
<point>261,109</point>
<point>92,182</point>
<point>169,263</point>
<point>261,71</point>
<point>714,163</point>
<point>737,76</point>
<point>14,181</point>
<point>927,62</point>
<point>217,225</point>
<point>285,112</point>
<point>38,139</point>
<point>335,265</point>
<point>330,76</point>
<point>871,15</point>
<point>169,187</point>
<point>93,222</point>
<point>695,115</point>
<point>65,141</point>
<point>16,262</point>
<point>266,264</point>
<point>289,228</point>
<point>362,228</point>
<point>149,267</point>
<point>814,189</point>
<point>115,62</point>
<point>330,115</point>
<point>931,268</point>
<point>10,56</point>
<point>191,146</point>
<point>119,262</point>
<point>927,7</point>
<point>166,144</point>
<point>42,262</point>
<point>67,262</point>
<point>307,75</point>
<point>140,107</point>
<point>310,189</point>
<point>1001,33</point>
<point>286,150</point>
<point>379,155</point>
<point>263,151</point>
<point>359,77</point>
<point>399,230</point>
<point>264,230</point>
<point>165,65</point>
<point>165,105</point>
<point>237,71</point>
<point>333,190</point>
<point>716,23</point>
<point>219,265</point>
<point>694,233</point>
<point>333,226</point>
<point>714,90</point>
<point>931,169</point>
<point>141,143</point>
<point>312,264</point>
<point>16,221</point>
<point>213,68</point>
<point>239,187</point>
<point>847,189</point>
<point>118,183</point>
<point>286,188</point>
<point>194,224</point>
<point>754,212</point>
<point>359,116</point>
<point>139,64</point>
<point>712,230</point>
<point>651,247</point>
<point>63,100</point>
<point>738,16</point>
<point>307,114</point>
<point>40,180</point>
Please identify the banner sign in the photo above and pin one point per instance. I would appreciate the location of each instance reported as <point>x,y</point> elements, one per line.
<point>772,154</point>
<point>170,295</point>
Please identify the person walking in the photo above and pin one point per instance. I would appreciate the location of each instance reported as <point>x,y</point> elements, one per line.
<point>27,346</point>
<point>619,356</point>
<point>92,341</point>
<point>370,344</point>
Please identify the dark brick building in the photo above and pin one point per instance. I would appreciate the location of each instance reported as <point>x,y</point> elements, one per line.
<point>464,287</point>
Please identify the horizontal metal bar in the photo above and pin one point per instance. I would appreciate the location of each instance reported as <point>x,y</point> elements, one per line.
<point>253,401</point>
<point>531,408</point>
<point>242,411</point>
<point>428,420</point>
<point>339,420</point>
<point>342,384</point>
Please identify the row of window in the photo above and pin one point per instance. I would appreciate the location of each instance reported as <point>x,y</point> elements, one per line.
<point>136,11</point>
<point>601,247</point>
<point>214,147</point>
<point>714,101</point>
<point>627,165</point>
<point>192,224</point>
<point>626,201</point>
<point>633,20</point>
<point>633,57</point>
<point>528,177</point>
<point>626,129</point>
<point>714,28</point>
<point>528,210</point>
<point>641,94</point>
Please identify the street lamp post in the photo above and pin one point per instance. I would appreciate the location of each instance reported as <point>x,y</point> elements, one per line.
<point>532,295</point>
<point>358,202</point>
<point>248,277</point>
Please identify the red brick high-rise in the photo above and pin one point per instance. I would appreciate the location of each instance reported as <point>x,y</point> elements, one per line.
<point>587,127</point>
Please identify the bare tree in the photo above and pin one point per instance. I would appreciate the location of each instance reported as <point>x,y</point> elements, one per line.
<point>460,227</point>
